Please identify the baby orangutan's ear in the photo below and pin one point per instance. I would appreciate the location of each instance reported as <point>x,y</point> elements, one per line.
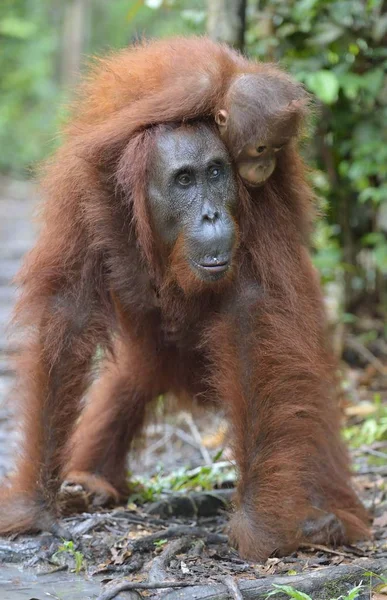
<point>221,119</point>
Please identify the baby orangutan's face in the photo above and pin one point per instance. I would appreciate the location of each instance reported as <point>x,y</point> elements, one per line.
<point>256,162</point>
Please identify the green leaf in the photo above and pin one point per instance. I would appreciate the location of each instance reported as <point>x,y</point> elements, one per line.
<point>351,84</point>
<point>325,85</point>
<point>290,591</point>
<point>303,9</point>
<point>380,254</point>
<point>373,238</point>
<point>352,594</point>
<point>17,28</point>
<point>379,28</point>
<point>324,34</point>
<point>373,80</point>
<point>218,455</point>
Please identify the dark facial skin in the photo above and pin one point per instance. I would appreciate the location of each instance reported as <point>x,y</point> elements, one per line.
<point>192,195</point>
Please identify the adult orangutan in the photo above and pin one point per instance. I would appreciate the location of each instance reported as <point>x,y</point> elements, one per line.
<point>258,108</point>
<point>153,252</point>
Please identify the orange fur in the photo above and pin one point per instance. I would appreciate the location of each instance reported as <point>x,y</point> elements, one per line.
<point>98,280</point>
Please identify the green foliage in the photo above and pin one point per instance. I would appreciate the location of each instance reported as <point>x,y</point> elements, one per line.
<point>29,94</point>
<point>381,582</point>
<point>337,49</point>
<point>32,48</point>
<point>68,548</point>
<point>160,543</point>
<point>115,24</point>
<point>327,255</point>
<point>372,429</point>
<point>291,592</point>
<point>183,480</point>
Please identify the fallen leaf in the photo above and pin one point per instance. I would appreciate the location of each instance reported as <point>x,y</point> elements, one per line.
<point>216,439</point>
<point>119,557</point>
<point>381,589</point>
<point>360,410</point>
<point>184,568</point>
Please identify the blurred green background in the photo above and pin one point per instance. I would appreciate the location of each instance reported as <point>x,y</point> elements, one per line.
<point>336,47</point>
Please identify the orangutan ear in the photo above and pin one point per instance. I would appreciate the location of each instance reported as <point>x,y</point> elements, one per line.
<point>221,119</point>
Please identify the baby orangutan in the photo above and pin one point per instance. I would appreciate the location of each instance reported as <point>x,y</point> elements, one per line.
<point>260,116</point>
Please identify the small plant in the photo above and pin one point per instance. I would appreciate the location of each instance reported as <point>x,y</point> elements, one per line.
<point>291,592</point>
<point>372,429</point>
<point>381,583</point>
<point>181,480</point>
<point>160,543</point>
<point>69,548</point>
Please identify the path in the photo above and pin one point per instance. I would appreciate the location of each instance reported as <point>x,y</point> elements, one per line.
<point>17,203</point>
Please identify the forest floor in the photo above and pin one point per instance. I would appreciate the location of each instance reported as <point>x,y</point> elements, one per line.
<point>170,541</point>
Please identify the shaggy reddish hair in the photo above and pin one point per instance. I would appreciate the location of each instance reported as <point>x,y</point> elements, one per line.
<point>98,280</point>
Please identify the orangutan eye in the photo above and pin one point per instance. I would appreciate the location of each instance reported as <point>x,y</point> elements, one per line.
<point>184,179</point>
<point>261,149</point>
<point>214,172</point>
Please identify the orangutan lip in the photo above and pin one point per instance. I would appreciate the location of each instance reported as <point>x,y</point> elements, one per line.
<point>215,268</point>
<point>252,185</point>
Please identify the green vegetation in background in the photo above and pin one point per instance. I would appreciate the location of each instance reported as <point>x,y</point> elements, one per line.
<point>31,43</point>
<point>371,429</point>
<point>181,480</point>
<point>122,22</point>
<point>338,49</point>
<point>28,83</point>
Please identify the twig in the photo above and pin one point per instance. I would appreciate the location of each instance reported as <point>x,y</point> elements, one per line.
<point>379,470</point>
<point>188,439</point>
<point>146,519</point>
<point>135,565</point>
<point>158,444</point>
<point>159,564</point>
<point>198,438</point>
<point>52,571</point>
<point>195,504</point>
<point>178,531</point>
<point>375,453</point>
<point>366,354</point>
<point>221,464</point>
<point>136,585</point>
<point>325,549</point>
<point>87,525</point>
<point>233,587</point>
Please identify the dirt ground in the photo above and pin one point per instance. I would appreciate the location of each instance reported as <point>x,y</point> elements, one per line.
<point>178,541</point>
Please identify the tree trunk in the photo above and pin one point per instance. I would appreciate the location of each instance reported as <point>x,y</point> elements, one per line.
<point>75,34</point>
<point>226,21</point>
